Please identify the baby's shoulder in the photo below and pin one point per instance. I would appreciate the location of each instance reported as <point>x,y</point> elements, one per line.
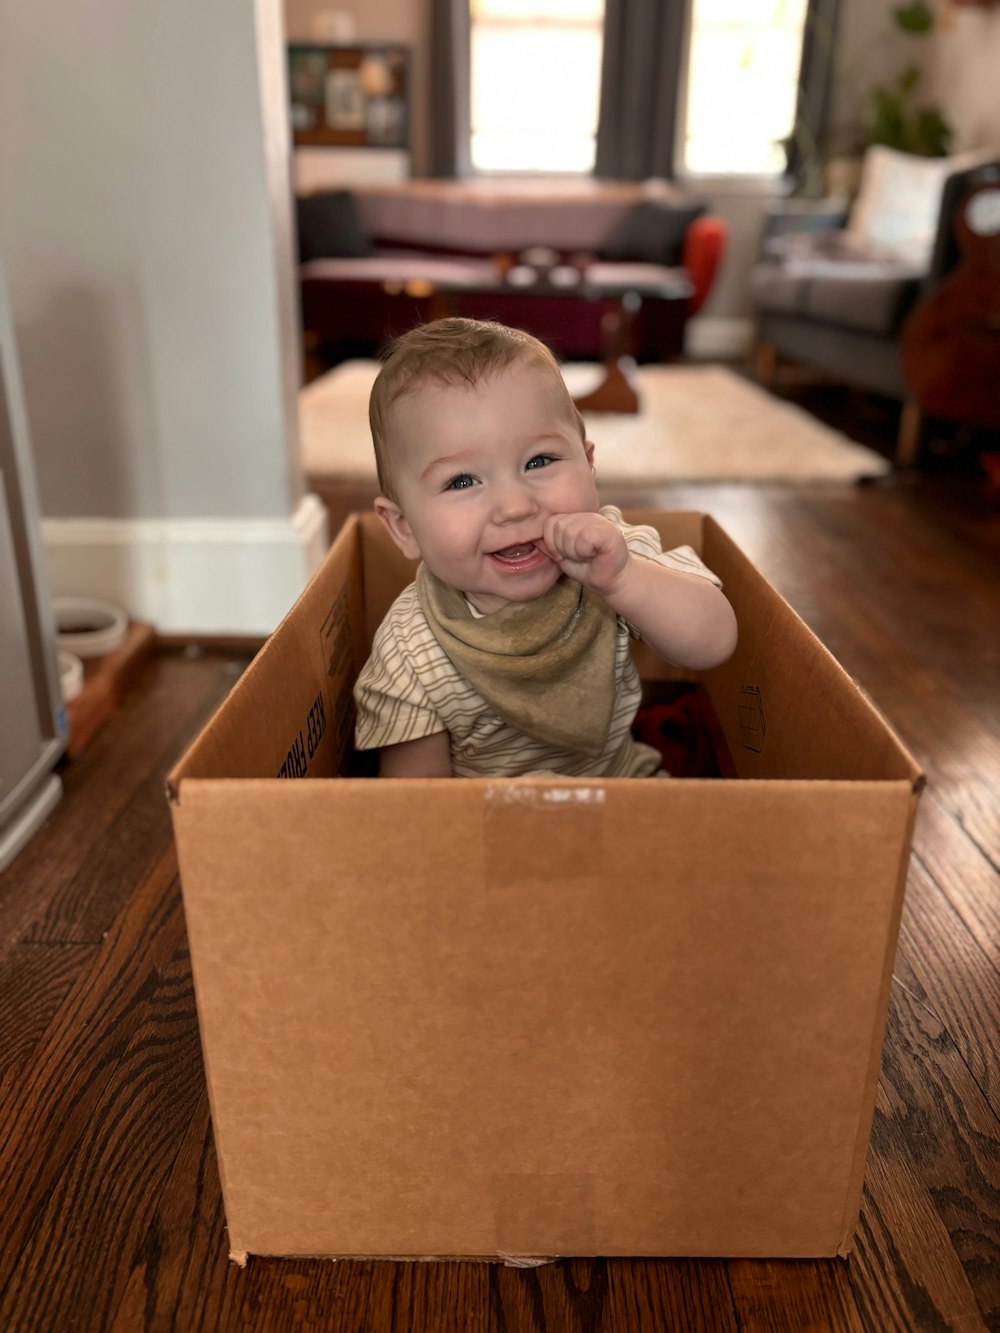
<point>642,539</point>
<point>404,628</point>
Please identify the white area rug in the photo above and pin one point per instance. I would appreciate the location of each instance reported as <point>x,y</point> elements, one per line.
<point>697,423</point>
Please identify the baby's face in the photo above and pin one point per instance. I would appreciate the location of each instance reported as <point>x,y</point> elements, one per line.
<point>477,472</point>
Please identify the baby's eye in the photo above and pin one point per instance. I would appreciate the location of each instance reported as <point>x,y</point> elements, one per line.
<point>460,483</point>
<point>539,460</point>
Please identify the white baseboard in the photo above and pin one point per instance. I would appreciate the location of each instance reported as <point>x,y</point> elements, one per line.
<point>715,338</point>
<point>199,576</point>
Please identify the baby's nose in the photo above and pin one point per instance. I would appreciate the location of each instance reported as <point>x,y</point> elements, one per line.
<point>512,500</point>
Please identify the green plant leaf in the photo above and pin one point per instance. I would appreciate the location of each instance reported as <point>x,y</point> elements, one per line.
<point>914,18</point>
<point>932,132</point>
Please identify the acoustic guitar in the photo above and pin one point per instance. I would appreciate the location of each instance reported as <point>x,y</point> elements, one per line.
<point>951,341</point>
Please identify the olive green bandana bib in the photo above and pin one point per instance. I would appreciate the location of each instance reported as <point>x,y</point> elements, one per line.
<point>546,667</point>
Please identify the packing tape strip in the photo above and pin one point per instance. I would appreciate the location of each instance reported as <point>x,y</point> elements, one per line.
<point>524,821</point>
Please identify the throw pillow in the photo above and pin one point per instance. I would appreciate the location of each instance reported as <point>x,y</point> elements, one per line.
<point>651,233</point>
<point>896,211</point>
<point>329,227</point>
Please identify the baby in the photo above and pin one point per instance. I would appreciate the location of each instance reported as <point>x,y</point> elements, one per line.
<point>509,653</point>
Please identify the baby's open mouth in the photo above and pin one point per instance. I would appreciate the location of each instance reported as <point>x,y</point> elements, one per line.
<point>516,552</point>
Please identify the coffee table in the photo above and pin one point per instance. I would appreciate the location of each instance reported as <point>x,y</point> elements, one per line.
<point>619,289</point>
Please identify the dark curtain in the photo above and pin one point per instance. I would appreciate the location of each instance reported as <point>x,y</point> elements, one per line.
<point>449,74</point>
<point>640,77</point>
<point>807,143</point>
<point>644,54</point>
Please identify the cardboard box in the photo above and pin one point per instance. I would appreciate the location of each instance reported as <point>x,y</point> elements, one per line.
<point>542,1017</point>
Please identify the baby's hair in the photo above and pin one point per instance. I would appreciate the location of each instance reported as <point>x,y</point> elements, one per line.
<point>451,351</point>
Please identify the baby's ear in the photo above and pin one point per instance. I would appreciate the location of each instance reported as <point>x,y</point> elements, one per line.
<point>397,527</point>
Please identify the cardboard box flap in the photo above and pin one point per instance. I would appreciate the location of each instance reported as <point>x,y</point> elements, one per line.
<point>786,705</point>
<point>291,713</point>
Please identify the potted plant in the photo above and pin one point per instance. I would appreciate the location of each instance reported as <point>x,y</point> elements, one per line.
<point>892,115</point>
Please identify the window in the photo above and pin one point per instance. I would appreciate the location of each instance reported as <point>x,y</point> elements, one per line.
<point>743,69</point>
<point>526,114</point>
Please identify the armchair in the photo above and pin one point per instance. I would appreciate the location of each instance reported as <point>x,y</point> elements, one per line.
<point>835,287</point>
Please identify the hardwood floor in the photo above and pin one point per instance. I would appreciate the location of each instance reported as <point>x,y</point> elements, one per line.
<point>110,1205</point>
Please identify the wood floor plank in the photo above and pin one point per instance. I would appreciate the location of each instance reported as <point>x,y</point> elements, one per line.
<point>977,810</point>
<point>69,884</point>
<point>903,1270</point>
<point>931,1220</point>
<point>77,1057</point>
<point>956,840</point>
<point>533,1300</point>
<point>669,1293</point>
<point>180,1267</point>
<point>34,982</point>
<point>118,1165</point>
<point>966,513</point>
<point>960,982</point>
<point>357,1296</point>
<point>452,1297</point>
<point>792,1296</point>
<point>130,845</point>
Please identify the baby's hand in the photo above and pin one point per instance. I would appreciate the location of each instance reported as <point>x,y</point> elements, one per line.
<point>588,548</point>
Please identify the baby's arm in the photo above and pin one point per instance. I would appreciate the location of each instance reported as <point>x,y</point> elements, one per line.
<point>683,617</point>
<point>428,757</point>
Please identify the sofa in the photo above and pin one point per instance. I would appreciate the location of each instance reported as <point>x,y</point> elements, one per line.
<point>836,284</point>
<point>555,258</point>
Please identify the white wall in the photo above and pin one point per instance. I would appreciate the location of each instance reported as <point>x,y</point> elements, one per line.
<point>139,241</point>
<point>145,227</point>
<point>959,60</point>
<point>963,74</point>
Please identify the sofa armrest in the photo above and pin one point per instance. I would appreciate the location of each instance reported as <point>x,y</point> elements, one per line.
<point>801,217</point>
<point>704,245</point>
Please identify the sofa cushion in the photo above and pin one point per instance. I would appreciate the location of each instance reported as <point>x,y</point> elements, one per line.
<point>651,233</point>
<point>871,302</point>
<point>869,298</point>
<point>775,290</point>
<point>329,227</point>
